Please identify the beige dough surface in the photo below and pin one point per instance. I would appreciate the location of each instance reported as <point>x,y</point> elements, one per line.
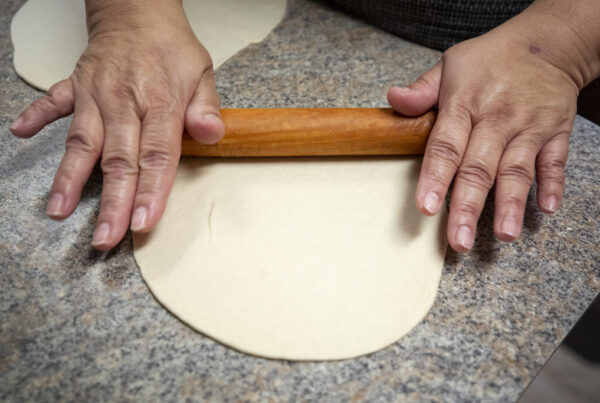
<point>302,259</point>
<point>49,35</point>
<point>318,259</point>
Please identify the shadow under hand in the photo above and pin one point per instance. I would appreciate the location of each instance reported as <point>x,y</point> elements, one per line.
<point>486,245</point>
<point>411,219</point>
<point>81,250</point>
<point>532,221</point>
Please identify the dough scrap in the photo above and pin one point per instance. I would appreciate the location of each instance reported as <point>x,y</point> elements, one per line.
<point>49,35</point>
<point>299,259</point>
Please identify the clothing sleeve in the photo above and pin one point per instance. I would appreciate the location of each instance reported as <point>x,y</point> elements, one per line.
<point>437,24</point>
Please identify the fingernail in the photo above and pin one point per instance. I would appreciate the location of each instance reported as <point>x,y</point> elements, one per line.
<point>464,237</point>
<point>101,234</point>
<point>138,221</point>
<point>403,89</point>
<point>15,125</point>
<point>211,116</point>
<point>212,136</point>
<point>55,205</point>
<point>431,202</point>
<point>510,226</point>
<point>552,203</point>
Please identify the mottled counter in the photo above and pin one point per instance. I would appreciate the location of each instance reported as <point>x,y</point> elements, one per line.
<point>76,324</point>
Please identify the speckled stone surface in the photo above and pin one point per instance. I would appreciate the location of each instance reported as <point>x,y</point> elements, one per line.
<point>75,325</point>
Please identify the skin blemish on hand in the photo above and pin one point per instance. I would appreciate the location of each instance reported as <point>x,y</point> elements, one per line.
<point>535,50</point>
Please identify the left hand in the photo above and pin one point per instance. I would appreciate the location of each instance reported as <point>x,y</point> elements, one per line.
<point>505,115</point>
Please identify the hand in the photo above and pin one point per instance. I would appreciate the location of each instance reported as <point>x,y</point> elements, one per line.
<point>505,115</point>
<point>143,77</point>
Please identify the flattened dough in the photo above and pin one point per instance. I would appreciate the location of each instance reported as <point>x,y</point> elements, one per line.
<point>50,35</point>
<point>296,259</point>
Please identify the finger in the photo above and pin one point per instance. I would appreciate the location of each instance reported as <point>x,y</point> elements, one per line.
<point>418,97</point>
<point>82,149</point>
<point>57,103</point>
<point>474,178</point>
<point>120,170</point>
<point>550,168</point>
<point>443,155</point>
<point>513,181</point>
<point>202,118</point>
<point>160,149</point>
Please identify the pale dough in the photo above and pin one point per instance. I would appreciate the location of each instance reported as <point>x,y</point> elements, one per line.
<point>49,35</point>
<point>301,259</point>
<point>296,259</point>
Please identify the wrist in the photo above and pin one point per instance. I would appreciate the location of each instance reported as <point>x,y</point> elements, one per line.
<point>115,16</point>
<point>563,34</point>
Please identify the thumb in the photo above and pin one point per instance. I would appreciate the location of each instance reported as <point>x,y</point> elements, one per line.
<point>57,103</point>
<point>418,97</point>
<point>202,118</point>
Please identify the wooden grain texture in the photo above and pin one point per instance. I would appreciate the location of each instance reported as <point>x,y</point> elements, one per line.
<point>315,132</point>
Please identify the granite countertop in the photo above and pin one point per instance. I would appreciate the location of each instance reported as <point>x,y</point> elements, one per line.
<point>77,324</point>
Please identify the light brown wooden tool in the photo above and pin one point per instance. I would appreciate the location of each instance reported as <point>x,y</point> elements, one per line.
<point>315,132</point>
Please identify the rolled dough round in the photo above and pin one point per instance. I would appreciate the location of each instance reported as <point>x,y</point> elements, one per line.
<point>296,259</point>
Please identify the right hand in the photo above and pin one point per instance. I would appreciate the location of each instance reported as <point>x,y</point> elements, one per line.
<point>143,77</point>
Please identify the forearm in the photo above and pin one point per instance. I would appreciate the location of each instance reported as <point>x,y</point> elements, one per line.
<point>563,33</point>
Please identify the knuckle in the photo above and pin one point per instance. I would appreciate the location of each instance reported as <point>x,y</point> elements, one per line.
<point>552,165</point>
<point>553,172</point>
<point>80,142</point>
<point>119,165</point>
<point>475,173</point>
<point>441,149</point>
<point>156,100</point>
<point>121,93</point>
<point>160,148</point>
<point>516,172</point>
<point>469,209</point>
<point>155,159</point>
<point>64,176</point>
<point>60,91</point>
<point>563,119</point>
<point>150,189</point>
<point>437,176</point>
<point>462,108</point>
<point>68,176</point>
<point>159,102</point>
<point>114,94</point>
<point>42,105</point>
<point>557,179</point>
<point>208,66</point>
<point>111,202</point>
<point>500,122</point>
<point>560,111</point>
<point>513,203</point>
<point>498,110</point>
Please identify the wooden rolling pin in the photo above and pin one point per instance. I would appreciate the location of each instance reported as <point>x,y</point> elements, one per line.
<point>315,132</point>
